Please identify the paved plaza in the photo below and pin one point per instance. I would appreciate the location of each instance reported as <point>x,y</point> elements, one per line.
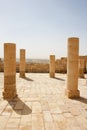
<point>42,105</point>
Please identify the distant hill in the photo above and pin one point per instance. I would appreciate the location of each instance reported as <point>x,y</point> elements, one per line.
<point>35,60</point>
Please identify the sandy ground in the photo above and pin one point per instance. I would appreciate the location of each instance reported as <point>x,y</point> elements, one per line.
<point>42,104</point>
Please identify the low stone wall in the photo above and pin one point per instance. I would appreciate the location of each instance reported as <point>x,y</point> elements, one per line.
<point>60,66</point>
<point>85,62</point>
<point>37,67</point>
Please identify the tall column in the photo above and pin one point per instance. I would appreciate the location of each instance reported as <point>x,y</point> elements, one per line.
<point>22,63</point>
<point>72,68</point>
<point>9,71</point>
<point>52,66</point>
<point>86,72</point>
<point>86,66</point>
<point>81,68</point>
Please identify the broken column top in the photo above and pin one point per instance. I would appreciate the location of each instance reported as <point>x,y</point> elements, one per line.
<point>73,40</point>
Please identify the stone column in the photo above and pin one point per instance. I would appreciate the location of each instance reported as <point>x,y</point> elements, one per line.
<point>72,68</point>
<point>81,68</point>
<point>86,66</point>
<point>22,63</point>
<point>52,66</point>
<point>86,72</point>
<point>9,71</point>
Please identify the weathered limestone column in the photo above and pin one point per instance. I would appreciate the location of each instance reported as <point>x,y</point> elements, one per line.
<point>52,66</point>
<point>86,72</point>
<point>72,68</point>
<point>81,68</point>
<point>86,66</point>
<point>22,63</point>
<point>9,71</point>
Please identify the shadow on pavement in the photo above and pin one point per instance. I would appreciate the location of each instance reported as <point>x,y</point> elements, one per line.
<point>59,79</point>
<point>19,106</point>
<point>28,79</point>
<point>82,99</point>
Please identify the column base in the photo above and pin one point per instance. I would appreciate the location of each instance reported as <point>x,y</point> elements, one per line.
<point>52,75</point>
<point>22,74</point>
<point>72,93</point>
<point>9,95</point>
<point>81,76</point>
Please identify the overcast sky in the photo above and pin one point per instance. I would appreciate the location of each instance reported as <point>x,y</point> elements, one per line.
<point>43,26</point>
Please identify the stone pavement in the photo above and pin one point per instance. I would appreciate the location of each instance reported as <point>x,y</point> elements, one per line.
<point>42,105</point>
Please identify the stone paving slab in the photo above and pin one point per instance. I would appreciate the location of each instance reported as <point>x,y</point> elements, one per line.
<point>42,105</point>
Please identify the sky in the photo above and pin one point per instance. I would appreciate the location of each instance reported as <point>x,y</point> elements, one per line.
<point>42,27</point>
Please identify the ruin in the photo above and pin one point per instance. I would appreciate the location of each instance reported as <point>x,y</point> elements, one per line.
<point>40,94</point>
<point>52,66</point>
<point>35,67</point>
<point>72,68</point>
<point>9,71</point>
<point>81,68</point>
<point>22,63</point>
